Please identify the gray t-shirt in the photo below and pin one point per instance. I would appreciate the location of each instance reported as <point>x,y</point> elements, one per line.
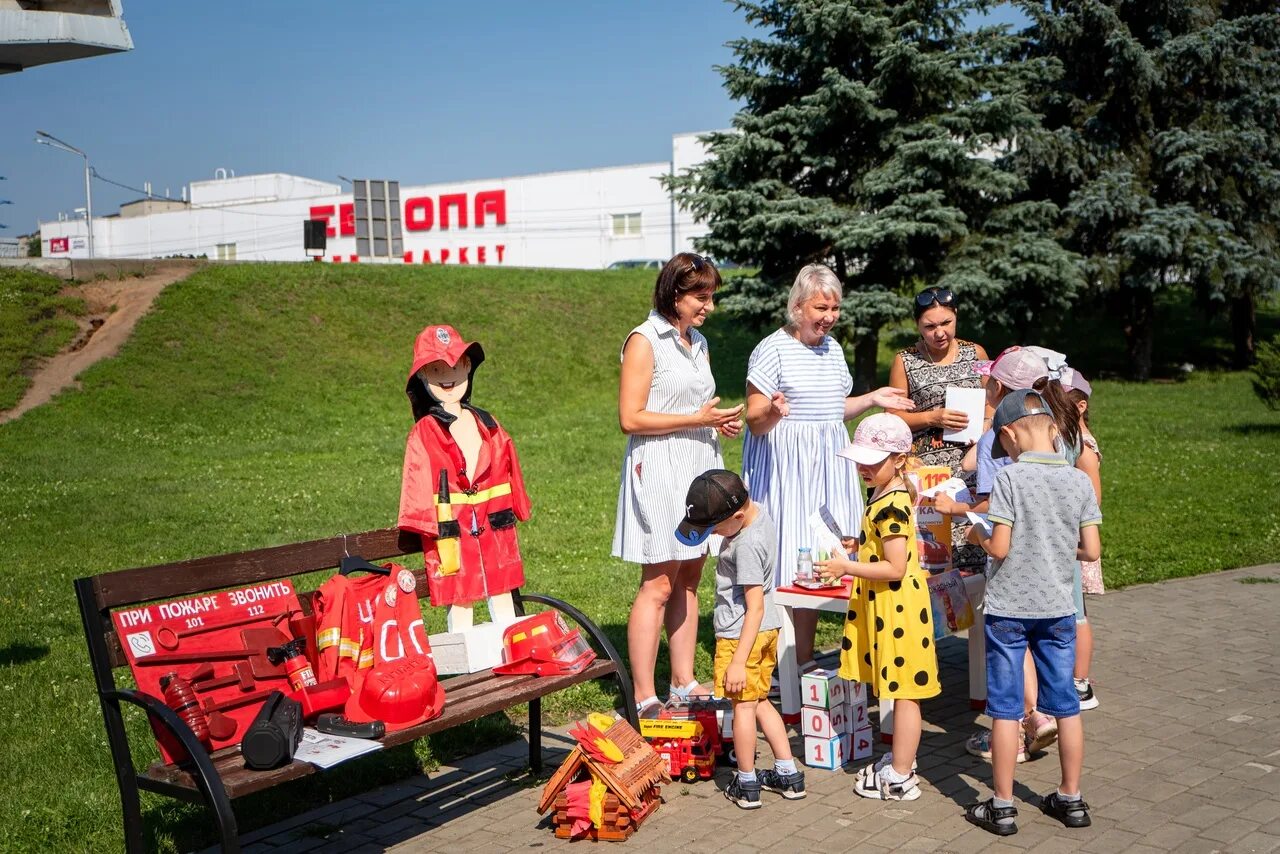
<point>746,558</point>
<point>1047,503</point>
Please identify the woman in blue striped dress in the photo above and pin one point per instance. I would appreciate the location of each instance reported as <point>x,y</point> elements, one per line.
<point>667,408</point>
<point>798,386</point>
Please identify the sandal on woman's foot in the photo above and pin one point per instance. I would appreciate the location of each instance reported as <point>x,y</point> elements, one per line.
<point>991,818</point>
<point>1070,813</point>
<point>649,709</point>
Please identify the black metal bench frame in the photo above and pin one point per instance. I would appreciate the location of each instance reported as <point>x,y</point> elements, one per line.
<point>216,780</point>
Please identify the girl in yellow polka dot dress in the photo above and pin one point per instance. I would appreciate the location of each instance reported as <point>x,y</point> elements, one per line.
<point>888,630</point>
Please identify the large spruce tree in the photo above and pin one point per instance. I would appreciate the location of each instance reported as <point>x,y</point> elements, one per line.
<point>868,140</point>
<point>1158,141</point>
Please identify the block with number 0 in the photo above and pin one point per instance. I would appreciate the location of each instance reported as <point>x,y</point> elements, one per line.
<point>824,723</point>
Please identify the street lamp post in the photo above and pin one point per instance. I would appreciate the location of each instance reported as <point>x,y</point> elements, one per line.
<point>51,140</point>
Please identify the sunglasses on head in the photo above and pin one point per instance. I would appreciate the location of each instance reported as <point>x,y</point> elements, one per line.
<point>695,263</point>
<point>929,296</point>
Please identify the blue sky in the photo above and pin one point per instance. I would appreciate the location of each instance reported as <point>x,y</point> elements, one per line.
<point>414,91</point>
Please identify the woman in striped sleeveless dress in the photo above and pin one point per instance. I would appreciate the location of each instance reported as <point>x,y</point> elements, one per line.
<point>924,371</point>
<point>798,384</point>
<point>667,408</point>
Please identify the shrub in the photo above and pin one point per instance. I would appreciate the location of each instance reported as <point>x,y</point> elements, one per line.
<point>1266,372</point>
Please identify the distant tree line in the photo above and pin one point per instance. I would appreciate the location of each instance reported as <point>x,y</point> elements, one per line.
<point>1111,149</point>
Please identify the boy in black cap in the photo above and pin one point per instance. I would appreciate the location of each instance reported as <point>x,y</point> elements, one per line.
<point>746,624</point>
<point>1044,518</point>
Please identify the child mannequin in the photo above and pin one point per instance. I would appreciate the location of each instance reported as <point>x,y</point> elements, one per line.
<point>462,488</point>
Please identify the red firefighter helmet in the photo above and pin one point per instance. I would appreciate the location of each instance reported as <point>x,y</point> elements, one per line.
<point>543,645</point>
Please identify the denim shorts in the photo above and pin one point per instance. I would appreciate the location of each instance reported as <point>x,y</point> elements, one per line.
<point>1052,642</point>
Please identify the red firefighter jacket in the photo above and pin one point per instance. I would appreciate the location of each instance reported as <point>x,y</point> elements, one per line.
<point>473,520</point>
<point>365,621</point>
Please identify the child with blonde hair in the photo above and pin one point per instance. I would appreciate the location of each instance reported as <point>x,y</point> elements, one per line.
<point>888,630</point>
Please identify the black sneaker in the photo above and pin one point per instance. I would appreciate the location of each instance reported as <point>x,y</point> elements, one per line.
<point>1084,690</point>
<point>745,795</point>
<point>790,786</point>
<point>1070,813</point>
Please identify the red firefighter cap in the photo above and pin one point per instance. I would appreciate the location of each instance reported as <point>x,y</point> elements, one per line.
<point>442,343</point>
<point>399,693</point>
<point>543,644</point>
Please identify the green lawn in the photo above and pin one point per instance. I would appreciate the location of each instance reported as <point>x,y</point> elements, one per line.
<point>34,322</point>
<point>264,404</point>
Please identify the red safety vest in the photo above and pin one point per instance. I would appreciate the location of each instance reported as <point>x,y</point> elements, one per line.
<point>474,518</point>
<point>367,620</point>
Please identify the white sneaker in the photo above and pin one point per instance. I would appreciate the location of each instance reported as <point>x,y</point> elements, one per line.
<point>874,784</point>
<point>1084,690</point>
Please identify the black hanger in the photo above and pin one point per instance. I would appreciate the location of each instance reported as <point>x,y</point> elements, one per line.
<point>355,563</point>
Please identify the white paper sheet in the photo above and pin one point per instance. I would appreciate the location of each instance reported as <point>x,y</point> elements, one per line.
<point>972,402</point>
<point>325,751</point>
<point>951,487</point>
<point>824,539</point>
<point>981,520</point>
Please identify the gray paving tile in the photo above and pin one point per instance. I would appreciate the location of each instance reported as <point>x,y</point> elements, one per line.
<point>1167,768</point>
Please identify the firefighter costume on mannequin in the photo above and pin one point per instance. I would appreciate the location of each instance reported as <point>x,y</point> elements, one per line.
<point>462,489</point>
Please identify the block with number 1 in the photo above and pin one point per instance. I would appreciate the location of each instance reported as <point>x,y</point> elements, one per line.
<point>822,689</point>
<point>830,753</point>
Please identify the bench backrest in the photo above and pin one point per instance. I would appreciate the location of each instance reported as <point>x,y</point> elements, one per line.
<point>100,594</point>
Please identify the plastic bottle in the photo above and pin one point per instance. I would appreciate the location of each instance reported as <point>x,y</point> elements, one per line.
<point>181,697</point>
<point>804,565</point>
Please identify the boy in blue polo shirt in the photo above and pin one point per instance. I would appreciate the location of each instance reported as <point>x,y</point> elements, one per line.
<point>1044,518</point>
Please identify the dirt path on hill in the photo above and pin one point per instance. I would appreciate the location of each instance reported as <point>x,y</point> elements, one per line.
<point>102,331</point>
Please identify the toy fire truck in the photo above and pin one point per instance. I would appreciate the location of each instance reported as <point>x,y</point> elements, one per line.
<point>687,736</point>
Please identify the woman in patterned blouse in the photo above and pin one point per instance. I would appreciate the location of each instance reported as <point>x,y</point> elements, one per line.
<point>938,360</point>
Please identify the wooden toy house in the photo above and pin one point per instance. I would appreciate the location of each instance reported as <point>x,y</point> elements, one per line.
<point>632,787</point>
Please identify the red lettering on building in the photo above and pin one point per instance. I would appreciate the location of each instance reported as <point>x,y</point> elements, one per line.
<point>462,255</point>
<point>426,256</point>
<point>419,213</point>
<point>480,254</point>
<point>444,256</point>
<point>491,202</point>
<point>457,201</point>
<point>408,257</point>
<point>500,249</point>
<point>347,219</point>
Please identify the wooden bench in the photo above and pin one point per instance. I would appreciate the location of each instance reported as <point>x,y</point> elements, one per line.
<point>218,778</point>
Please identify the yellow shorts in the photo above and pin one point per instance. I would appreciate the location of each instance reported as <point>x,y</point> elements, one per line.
<point>760,664</point>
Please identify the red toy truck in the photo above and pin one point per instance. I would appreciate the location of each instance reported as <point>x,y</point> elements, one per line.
<point>687,736</point>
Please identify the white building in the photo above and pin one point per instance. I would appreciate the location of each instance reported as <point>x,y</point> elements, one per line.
<point>585,219</point>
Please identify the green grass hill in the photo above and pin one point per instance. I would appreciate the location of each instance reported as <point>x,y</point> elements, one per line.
<point>263,404</point>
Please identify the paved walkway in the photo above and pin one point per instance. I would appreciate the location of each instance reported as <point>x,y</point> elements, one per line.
<point>1182,755</point>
